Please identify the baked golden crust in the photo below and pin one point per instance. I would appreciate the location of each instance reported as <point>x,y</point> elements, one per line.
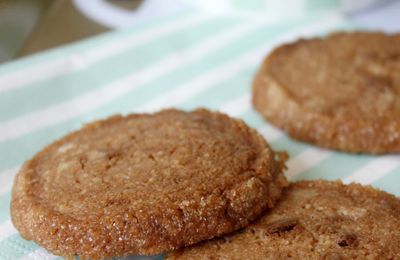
<point>145,184</point>
<point>340,92</point>
<point>314,220</point>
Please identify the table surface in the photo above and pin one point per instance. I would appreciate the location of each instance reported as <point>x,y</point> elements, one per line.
<point>186,60</point>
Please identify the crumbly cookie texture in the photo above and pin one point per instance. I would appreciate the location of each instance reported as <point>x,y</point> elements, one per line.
<point>340,92</point>
<point>145,184</point>
<point>314,220</point>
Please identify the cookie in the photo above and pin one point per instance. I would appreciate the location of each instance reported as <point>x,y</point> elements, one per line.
<point>340,92</point>
<point>145,184</point>
<point>314,220</point>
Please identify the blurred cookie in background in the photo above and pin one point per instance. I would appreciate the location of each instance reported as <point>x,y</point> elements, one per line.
<point>340,92</point>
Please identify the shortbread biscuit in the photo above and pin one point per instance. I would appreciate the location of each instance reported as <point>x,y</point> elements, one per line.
<point>145,184</point>
<point>340,92</point>
<point>314,220</point>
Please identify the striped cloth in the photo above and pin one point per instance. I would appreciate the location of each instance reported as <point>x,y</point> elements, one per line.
<point>186,60</point>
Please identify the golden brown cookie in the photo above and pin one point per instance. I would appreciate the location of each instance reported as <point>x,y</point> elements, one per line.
<point>145,184</point>
<point>340,92</point>
<point>314,220</point>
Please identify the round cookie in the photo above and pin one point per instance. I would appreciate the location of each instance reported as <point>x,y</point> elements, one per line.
<point>145,184</point>
<point>314,220</point>
<point>340,92</point>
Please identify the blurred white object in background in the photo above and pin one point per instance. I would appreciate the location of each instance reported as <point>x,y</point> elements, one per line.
<point>113,16</point>
<point>271,10</point>
<point>349,6</point>
<point>374,14</point>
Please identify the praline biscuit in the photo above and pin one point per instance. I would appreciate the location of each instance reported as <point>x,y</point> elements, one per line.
<point>145,184</point>
<point>340,92</point>
<point>314,220</point>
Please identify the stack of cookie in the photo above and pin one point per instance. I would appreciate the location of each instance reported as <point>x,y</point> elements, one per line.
<point>202,185</point>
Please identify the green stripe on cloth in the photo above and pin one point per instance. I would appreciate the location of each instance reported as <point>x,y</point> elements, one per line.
<point>390,182</point>
<point>316,5</point>
<point>336,166</point>
<point>249,5</point>
<point>231,89</point>
<point>293,148</point>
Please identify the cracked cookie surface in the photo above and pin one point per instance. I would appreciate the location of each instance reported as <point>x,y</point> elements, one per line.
<point>340,92</point>
<point>314,220</point>
<point>145,184</point>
